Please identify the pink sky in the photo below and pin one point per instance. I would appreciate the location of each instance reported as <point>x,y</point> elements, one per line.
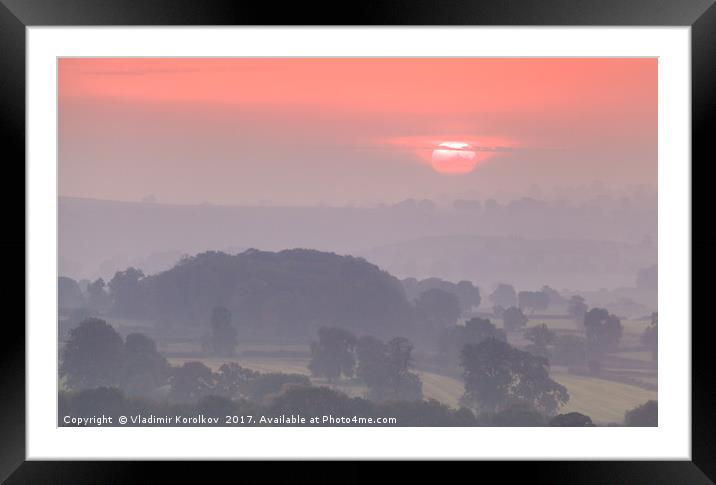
<point>304,131</point>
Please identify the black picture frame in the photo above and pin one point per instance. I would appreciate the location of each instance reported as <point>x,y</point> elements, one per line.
<point>16,15</point>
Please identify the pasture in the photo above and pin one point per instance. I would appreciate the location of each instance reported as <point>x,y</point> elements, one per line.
<point>605,401</point>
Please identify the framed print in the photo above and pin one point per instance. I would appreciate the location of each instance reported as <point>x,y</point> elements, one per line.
<point>429,233</point>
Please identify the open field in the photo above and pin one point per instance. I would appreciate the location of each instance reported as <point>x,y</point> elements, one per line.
<point>604,401</point>
<point>441,388</point>
<point>632,328</point>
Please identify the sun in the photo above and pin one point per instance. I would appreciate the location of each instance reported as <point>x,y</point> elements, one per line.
<point>454,157</point>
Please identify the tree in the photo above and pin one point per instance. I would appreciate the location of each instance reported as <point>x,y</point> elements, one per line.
<point>332,356</point>
<point>504,296</point>
<point>496,374</point>
<point>76,316</point>
<point>513,318</point>
<point>126,293</point>
<point>216,407</point>
<point>468,295</point>
<point>108,401</point>
<point>97,297</point>
<point>399,350</point>
<point>518,415</point>
<point>93,355</point>
<point>190,382</point>
<point>69,294</point>
<point>577,307</point>
<point>426,413</point>
<point>534,300</point>
<point>603,331</point>
<point>372,364</point>
<point>144,368</point>
<point>541,337</point>
<point>572,420</point>
<point>314,401</point>
<point>642,416</point>
<point>232,380</point>
<point>480,329</point>
<point>554,297</point>
<point>285,294</point>
<point>264,387</point>
<point>475,330</point>
<point>437,308</point>
<point>650,336</point>
<point>223,334</point>
<point>404,385</point>
<point>371,353</point>
<point>385,369</point>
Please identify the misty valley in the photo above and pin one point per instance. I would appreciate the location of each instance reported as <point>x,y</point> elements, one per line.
<point>358,241</point>
<point>303,337</point>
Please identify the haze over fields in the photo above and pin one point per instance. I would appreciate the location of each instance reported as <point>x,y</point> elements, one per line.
<point>601,244</point>
<point>443,242</point>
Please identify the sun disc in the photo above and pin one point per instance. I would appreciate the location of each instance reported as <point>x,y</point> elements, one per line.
<point>454,157</point>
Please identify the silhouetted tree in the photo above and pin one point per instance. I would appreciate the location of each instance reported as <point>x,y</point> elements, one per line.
<point>232,380</point>
<point>216,407</point>
<point>437,308</point>
<point>467,293</point>
<point>554,297</point>
<point>603,331</point>
<point>286,293</point>
<point>93,355</point>
<point>475,330</point>
<point>371,352</point>
<point>69,294</point>
<point>144,368</point>
<point>577,308</point>
<point>642,416</point>
<point>223,334</point>
<point>650,336</point>
<point>385,369</point>
<point>263,387</point>
<point>97,297</point>
<point>533,300</point>
<point>425,413</point>
<point>513,319</point>
<point>191,381</point>
<point>497,374</point>
<point>541,337</point>
<point>573,420</point>
<point>504,296</point>
<point>332,356</point>
<point>399,350</point>
<point>316,401</point>
<point>77,316</point>
<point>517,415</point>
<point>108,401</point>
<point>126,293</point>
<point>479,329</point>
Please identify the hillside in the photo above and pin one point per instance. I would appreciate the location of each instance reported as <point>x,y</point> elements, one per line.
<point>526,244</point>
<point>289,293</point>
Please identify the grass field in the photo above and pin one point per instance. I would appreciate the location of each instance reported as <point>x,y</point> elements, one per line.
<point>604,401</point>
<point>632,328</point>
<point>441,388</point>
